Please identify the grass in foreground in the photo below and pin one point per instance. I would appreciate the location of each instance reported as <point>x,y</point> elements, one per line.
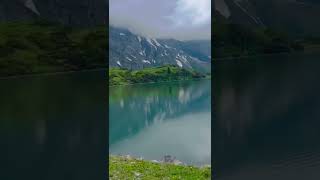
<point>129,168</point>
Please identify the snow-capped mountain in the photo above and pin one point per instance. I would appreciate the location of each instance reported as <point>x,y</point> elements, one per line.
<point>129,50</point>
<point>292,16</point>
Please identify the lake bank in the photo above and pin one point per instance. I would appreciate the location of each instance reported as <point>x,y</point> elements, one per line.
<point>167,73</point>
<point>121,167</point>
<point>52,73</point>
<point>162,82</point>
<point>311,52</point>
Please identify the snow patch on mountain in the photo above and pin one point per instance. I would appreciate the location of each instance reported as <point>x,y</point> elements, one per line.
<point>139,38</point>
<point>179,63</point>
<point>184,59</point>
<point>150,42</point>
<point>167,46</point>
<point>157,43</point>
<point>128,59</point>
<point>146,61</point>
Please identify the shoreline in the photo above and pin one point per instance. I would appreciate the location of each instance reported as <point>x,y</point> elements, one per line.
<point>124,167</point>
<point>51,73</point>
<point>160,82</point>
<point>159,161</point>
<point>264,55</point>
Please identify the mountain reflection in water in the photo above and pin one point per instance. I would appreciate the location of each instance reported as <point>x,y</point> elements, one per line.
<point>154,120</point>
<point>266,123</point>
<point>53,127</point>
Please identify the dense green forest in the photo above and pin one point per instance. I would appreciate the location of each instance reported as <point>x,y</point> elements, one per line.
<point>43,47</point>
<point>119,76</point>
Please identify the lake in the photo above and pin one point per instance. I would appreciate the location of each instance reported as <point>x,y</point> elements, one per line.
<point>266,121</point>
<point>154,120</point>
<point>54,126</point>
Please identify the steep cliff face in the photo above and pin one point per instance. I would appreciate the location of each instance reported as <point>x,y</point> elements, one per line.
<point>68,12</point>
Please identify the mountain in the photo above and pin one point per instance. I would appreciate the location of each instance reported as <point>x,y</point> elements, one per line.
<point>67,12</point>
<point>296,17</point>
<point>129,50</point>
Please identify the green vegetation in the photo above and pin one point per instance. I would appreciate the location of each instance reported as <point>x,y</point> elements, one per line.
<point>119,76</point>
<point>42,47</point>
<point>129,168</point>
<point>234,40</point>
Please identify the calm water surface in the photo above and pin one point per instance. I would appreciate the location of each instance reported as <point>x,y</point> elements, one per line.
<point>267,118</point>
<point>154,120</point>
<point>53,127</point>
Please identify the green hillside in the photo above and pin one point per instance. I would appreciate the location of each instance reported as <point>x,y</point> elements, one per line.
<point>234,40</point>
<point>42,47</point>
<point>119,76</point>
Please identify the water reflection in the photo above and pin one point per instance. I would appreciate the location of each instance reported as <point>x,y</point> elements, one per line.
<point>53,127</point>
<point>158,119</point>
<point>266,118</point>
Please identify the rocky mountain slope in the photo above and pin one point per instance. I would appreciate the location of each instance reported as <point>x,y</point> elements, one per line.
<point>68,12</point>
<point>128,50</point>
<point>296,17</point>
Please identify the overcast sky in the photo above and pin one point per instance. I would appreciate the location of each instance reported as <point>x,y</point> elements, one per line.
<point>179,19</point>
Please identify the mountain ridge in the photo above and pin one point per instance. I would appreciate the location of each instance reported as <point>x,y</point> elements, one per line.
<point>132,51</point>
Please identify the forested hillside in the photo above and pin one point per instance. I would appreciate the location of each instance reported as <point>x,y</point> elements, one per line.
<point>42,47</point>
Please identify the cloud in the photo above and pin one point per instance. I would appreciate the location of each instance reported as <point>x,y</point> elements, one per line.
<point>179,19</point>
<point>196,12</point>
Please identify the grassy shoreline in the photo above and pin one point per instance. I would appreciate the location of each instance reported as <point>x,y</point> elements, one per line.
<point>160,82</point>
<point>167,73</point>
<point>130,168</point>
<point>52,73</point>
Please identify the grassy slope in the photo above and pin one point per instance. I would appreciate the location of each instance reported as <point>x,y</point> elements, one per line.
<point>41,47</point>
<point>119,76</point>
<point>124,168</point>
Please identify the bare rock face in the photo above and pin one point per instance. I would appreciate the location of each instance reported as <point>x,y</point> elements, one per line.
<point>68,12</point>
